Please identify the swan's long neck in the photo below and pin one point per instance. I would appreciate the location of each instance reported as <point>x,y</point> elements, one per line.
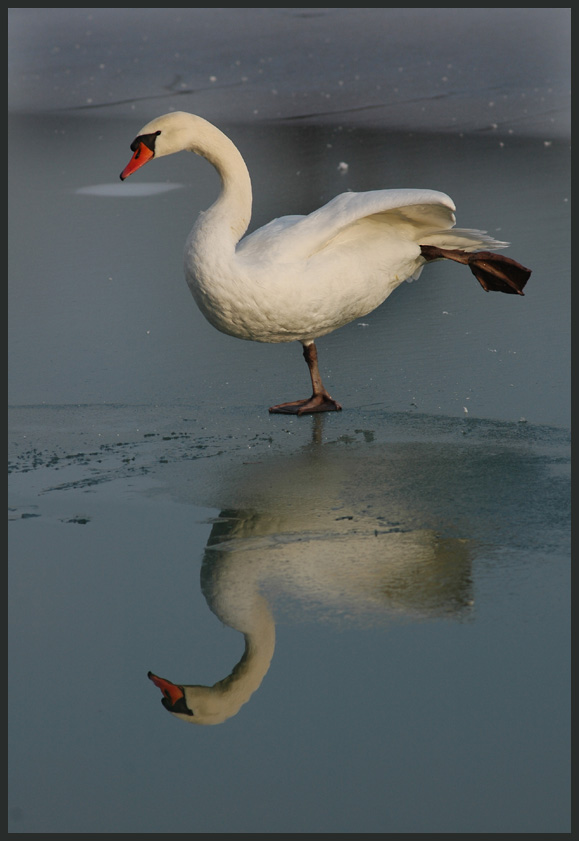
<point>231,213</point>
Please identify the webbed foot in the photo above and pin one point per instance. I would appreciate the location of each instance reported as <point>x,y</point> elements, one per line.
<point>315,403</point>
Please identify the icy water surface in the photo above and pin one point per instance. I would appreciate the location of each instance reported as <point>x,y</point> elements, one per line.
<point>401,568</point>
<point>415,573</point>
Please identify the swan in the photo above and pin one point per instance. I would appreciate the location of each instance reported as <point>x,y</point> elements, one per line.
<point>300,277</point>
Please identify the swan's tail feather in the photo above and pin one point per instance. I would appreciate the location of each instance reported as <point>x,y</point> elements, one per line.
<point>494,272</point>
<point>468,239</point>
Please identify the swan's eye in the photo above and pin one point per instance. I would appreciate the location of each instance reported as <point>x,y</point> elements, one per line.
<point>147,140</point>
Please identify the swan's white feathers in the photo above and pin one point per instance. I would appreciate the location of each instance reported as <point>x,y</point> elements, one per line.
<point>352,217</point>
<point>300,277</point>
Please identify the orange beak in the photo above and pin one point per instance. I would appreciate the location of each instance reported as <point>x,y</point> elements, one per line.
<point>141,156</point>
<point>173,696</point>
<point>171,692</point>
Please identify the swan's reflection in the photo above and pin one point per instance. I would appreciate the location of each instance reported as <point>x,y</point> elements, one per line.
<point>307,542</point>
<point>230,584</point>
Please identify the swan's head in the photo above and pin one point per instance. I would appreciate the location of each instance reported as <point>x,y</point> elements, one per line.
<point>166,135</point>
<point>197,704</point>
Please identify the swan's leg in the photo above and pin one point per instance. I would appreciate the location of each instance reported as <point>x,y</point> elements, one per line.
<point>494,272</point>
<point>320,401</point>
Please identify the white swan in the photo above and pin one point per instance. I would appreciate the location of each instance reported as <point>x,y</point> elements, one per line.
<point>300,277</point>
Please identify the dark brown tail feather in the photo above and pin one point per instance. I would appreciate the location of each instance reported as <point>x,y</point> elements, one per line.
<point>494,272</point>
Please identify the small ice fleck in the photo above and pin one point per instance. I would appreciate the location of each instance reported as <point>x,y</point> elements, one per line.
<point>343,168</point>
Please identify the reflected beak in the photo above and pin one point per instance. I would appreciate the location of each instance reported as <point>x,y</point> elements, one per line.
<point>173,696</point>
<point>141,156</point>
<point>170,691</point>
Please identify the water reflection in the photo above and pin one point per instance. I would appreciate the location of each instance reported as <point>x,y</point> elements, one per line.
<point>311,540</point>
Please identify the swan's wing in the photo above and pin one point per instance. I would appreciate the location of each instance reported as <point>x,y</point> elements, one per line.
<point>264,238</point>
<point>407,214</point>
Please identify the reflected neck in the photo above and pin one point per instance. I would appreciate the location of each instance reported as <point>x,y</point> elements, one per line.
<point>248,674</point>
<point>214,704</point>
